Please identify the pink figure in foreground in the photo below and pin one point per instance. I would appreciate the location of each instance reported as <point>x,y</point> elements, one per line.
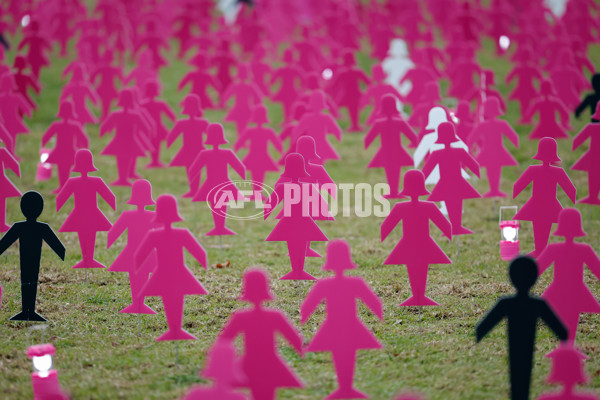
<point>416,249</point>
<point>7,188</point>
<point>247,96</point>
<point>137,223</point>
<point>547,106</point>
<point>568,294</point>
<point>543,208</point>
<point>342,332</point>
<point>261,362</point>
<point>589,161</point>
<point>346,88</point>
<point>171,279</point>
<point>156,109</point>
<point>86,218</point>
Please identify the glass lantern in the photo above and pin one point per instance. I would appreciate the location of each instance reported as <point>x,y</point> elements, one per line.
<point>509,235</point>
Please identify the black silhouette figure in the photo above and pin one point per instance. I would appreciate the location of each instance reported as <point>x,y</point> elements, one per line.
<point>522,311</point>
<point>30,234</point>
<point>591,100</point>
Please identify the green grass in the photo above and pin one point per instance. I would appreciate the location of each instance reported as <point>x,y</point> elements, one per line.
<point>105,355</point>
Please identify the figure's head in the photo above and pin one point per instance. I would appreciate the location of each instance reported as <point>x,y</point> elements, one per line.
<point>295,167</point>
<point>446,133</point>
<point>567,366</point>
<point>298,110</point>
<point>312,81</point>
<point>546,88</point>
<point>66,110</point>
<point>547,151</point>
<point>20,62</point>
<point>317,101</point>
<point>414,184</point>
<point>431,92</point>
<point>307,148</point>
<point>259,115</point>
<point>288,56</point>
<point>191,105</point>
<point>256,287</point>
<point>151,89</point>
<point>339,257</point>
<point>523,272</point>
<point>436,116</point>
<point>377,73</point>
<point>492,108</point>
<point>349,59</point>
<point>215,135</point>
<point>222,365</point>
<point>32,204</point>
<point>388,106</point>
<point>125,98</point>
<point>141,193</point>
<point>166,210</point>
<point>569,224</point>
<point>84,162</point>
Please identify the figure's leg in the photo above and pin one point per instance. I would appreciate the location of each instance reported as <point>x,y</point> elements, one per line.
<point>417,276</point>
<point>174,313</point>
<point>263,392</point>
<point>594,188</point>
<point>123,169</point>
<point>136,283</point>
<point>133,169</point>
<point>193,182</point>
<point>494,173</point>
<point>392,174</point>
<point>297,252</point>
<point>63,174</point>
<point>541,234</point>
<point>454,207</point>
<point>28,299</point>
<point>87,241</point>
<point>520,374</point>
<point>353,113</point>
<point>258,177</point>
<point>345,363</point>
<point>219,217</point>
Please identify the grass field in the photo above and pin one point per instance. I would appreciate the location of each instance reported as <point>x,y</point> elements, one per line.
<point>105,355</point>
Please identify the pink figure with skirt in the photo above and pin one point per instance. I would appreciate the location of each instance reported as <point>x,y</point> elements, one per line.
<point>291,80</point>
<point>568,294</point>
<point>7,188</point>
<point>587,162</point>
<point>416,249</point>
<point>452,188</point>
<point>170,279</point>
<point>156,109</point>
<point>346,88</point>
<point>260,327</point>
<point>12,108</point>
<point>312,83</point>
<point>224,61</point>
<point>79,90</point>
<point>200,80</point>
<point>261,70</point>
<point>492,155</point>
<point>568,80</point>
<point>391,155</point>
<point>418,76</point>
<point>547,106</point>
<point>154,42</point>
<point>143,71</point>
<point>137,223</point>
<point>216,161</point>
<point>86,218</point>
<point>462,75</point>
<point>37,46</point>
<point>543,208</point>
<point>106,75</point>
<point>376,91</point>
<point>431,98</point>
<point>192,130</point>
<point>526,73</point>
<point>342,332</point>
<point>24,81</point>
<point>289,129</point>
<point>70,136</point>
<point>247,96</point>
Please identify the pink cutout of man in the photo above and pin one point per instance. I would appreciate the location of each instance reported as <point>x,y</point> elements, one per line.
<point>416,249</point>
<point>547,106</point>
<point>543,208</point>
<point>7,188</point>
<point>247,96</point>
<point>171,279</point>
<point>342,332</point>
<point>588,161</point>
<point>156,108</point>
<point>346,88</point>
<point>86,218</point>
<point>261,362</point>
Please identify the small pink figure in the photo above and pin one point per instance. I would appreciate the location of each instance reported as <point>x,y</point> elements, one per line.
<point>466,120</point>
<point>24,81</point>
<point>416,249</point>
<point>568,294</point>
<point>7,188</point>
<point>543,208</point>
<point>292,80</point>
<point>247,96</point>
<point>200,79</point>
<point>192,129</point>
<point>526,74</point>
<point>306,147</point>
<point>86,218</point>
<point>156,109</point>
<point>12,108</point>
<point>391,155</point>
<point>289,129</point>
<point>261,70</point>
<point>107,74</point>
<point>217,185</point>
<point>45,379</point>
<point>154,43</point>
<point>587,162</point>
<point>375,93</point>
<point>547,106</point>
<point>419,76</point>
<point>70,136</point>
<point>431,98</point>
<point>261,362</point>
<point>171,279</point>
<point>143,71</point>
<point>492,156</point>
<point>462,75</point>
<point>342,333</point>
<point>80,90</point>
<point>346,88</point>
<point>568,81</point>
<point>224,60</point>
<point>452,188</point>
<point>37,46</point>
<point>137,223</point>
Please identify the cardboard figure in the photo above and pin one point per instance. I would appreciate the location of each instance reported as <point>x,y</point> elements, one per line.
<point>260,327</point>
<point>31,234</point>
<point>261,70</point>
<point>79,90</point>
<point>526,73</point>
<point>429,99</point>
<point>492,156</point>
<point>156,108</point>
<point>312,83</point>
<point>224,61</point>
<point>543,208</point>
<point>547,106</point>
<point>591,100</point>
<point>171,279</point>
<point>107,74</point>
<point>44,380</point>
<point>305,146</point>
<point>291,78</point>
<point>70,136</point>
<point>522,311</point>
<point>416,249</point>
<point>216,161</point>
<point>342,332</point>
<point>200,79</point>
<point>154,43</point>
<point>376,91</point>
<point>587,162</point>
<point>289,130</point>
<point>138,223</point>
<point>86,218</point>
<point>397,64</point>
<point>463,75</point>
<point>452,188</point>
<point>12,108</point>
<point>37,46</point>
<point>143,71</point>
<point>568,294</point>
<point>24,81</point>
<point>568,81</point>
<point>7,188</point>
<point>419,77</point>
<point>247,96</point>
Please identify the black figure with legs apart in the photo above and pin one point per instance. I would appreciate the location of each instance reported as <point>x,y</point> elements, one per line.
<point>522,311</point>
<point>31,234</point>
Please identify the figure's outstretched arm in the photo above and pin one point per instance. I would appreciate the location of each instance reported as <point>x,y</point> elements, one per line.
<point>493,317</point>
<point>11,163</point>
<point>168,112</point>
<point>116,230</point>
<point>107,195</point>
<point>430,164</point>
<point>197,166</point>
<point>9,238</point>
<point>186,79</point>
<point>409,133</point>
<point>371,135</point>
<point>555,324</point>
<point>522,182</point>
<point>237,165</point>
<point>274,199</point>
<point>232,328</point>
<point>583,105</point>
<point>53,241</point>
<point>276,140</point>
<point>422,150</point>
<point>470,162</point>
<point>175,132</point>
<point>565,183</point>
<point>592,261</point>
<point>441,221</point>
<point>82,140</point>
<point>108,125</point>
<point>582,136</point>
<point>241,140</point>
<point>367,296</point>
<point>390,222</point>
<point>289,333</point>
<point>195,249</point>
<point>511,134</point>
<point>64,194</point>
<point>144,251</point>
<point>545,259</point>
<point>334,128</point>
<point>311,302</point>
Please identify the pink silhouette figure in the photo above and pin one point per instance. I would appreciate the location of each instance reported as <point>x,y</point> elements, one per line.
<point>137,223</point>
<point>192,129</point>
<point>143,71</point>
<point>419,76</point>
<point>37,46</point>
<point>296,226</point>
<point>224,60</point>
<point>547,106</point>
<point>70,136</point>
<point>86,218</point>
<point>466,121</point>
<point>543,208</point>
<point>462,74</point>
<point>568,80</point>
<point>431,98</point>
<point>24,81</point>
<point>7,188</point>
<point>12,108</point>
<point>171,279</point>
<point>452,188</point>
<point>306,147</point>
<point>526,74</point>
<point>346,88</point>
<point>217,188</point>
<point>261,70</point>
<point>342,332</point>
<point>154,42</point>
<point>291,78</point>
<point>247,96</point>
<point>200,79</point>
<point>311,83</point>
<point>416,249</point>
<point>568,294</point>
<point>375,93</point>
<point>79,90</point>
<point>289,129</point>
<point>391,155</point>
<point>261,362</point>
<point>492,156</point>
<point>156,109</point>
<point>107,75</point>
<point>587,162</point>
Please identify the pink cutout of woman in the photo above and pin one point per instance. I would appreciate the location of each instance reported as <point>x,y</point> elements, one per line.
<point>342,332</point>
<point>452,188</point>
<point>86,218</point>
<point>138,223</point>
<point>547,106</point>
<point>12,108</point>
<point>216,161</point>
<point>79,90</point>
<point>587,162</point>
<point>224,60</point>
<point>289,129</point>
<point>466,120</point>
<point>37,46</point>
<point>297,226</point>
<point>376,92</point>
<point>156,109</point>
<point>107,74</point>
<point>143,71</point>
<point>493,155</point>
<point>543,208</point>
<point>311,83</point>
<point>416,249</point>
<point>70,136</point>
<point>192,129</point>
<point>200,79</point>
<point>154,42</point>
<point>261,362</point>
<point>462,76</point>
<point>568,294</point>
<point>247,96</point>
<point>568,81</point>
<point>24,81</point>
<point>419,76</point>
<point>391,155</point>
<point>346,88</point>
<point>420,115</point>
<point>261,71</point>
<point>292,81</point>
<point>7,188</point>
<point>171,279</point>
<point>526,74</point>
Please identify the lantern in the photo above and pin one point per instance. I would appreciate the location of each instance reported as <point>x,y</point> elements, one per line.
<point>509,236</point>
<point>44,379</point>
<point>44,169</point>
